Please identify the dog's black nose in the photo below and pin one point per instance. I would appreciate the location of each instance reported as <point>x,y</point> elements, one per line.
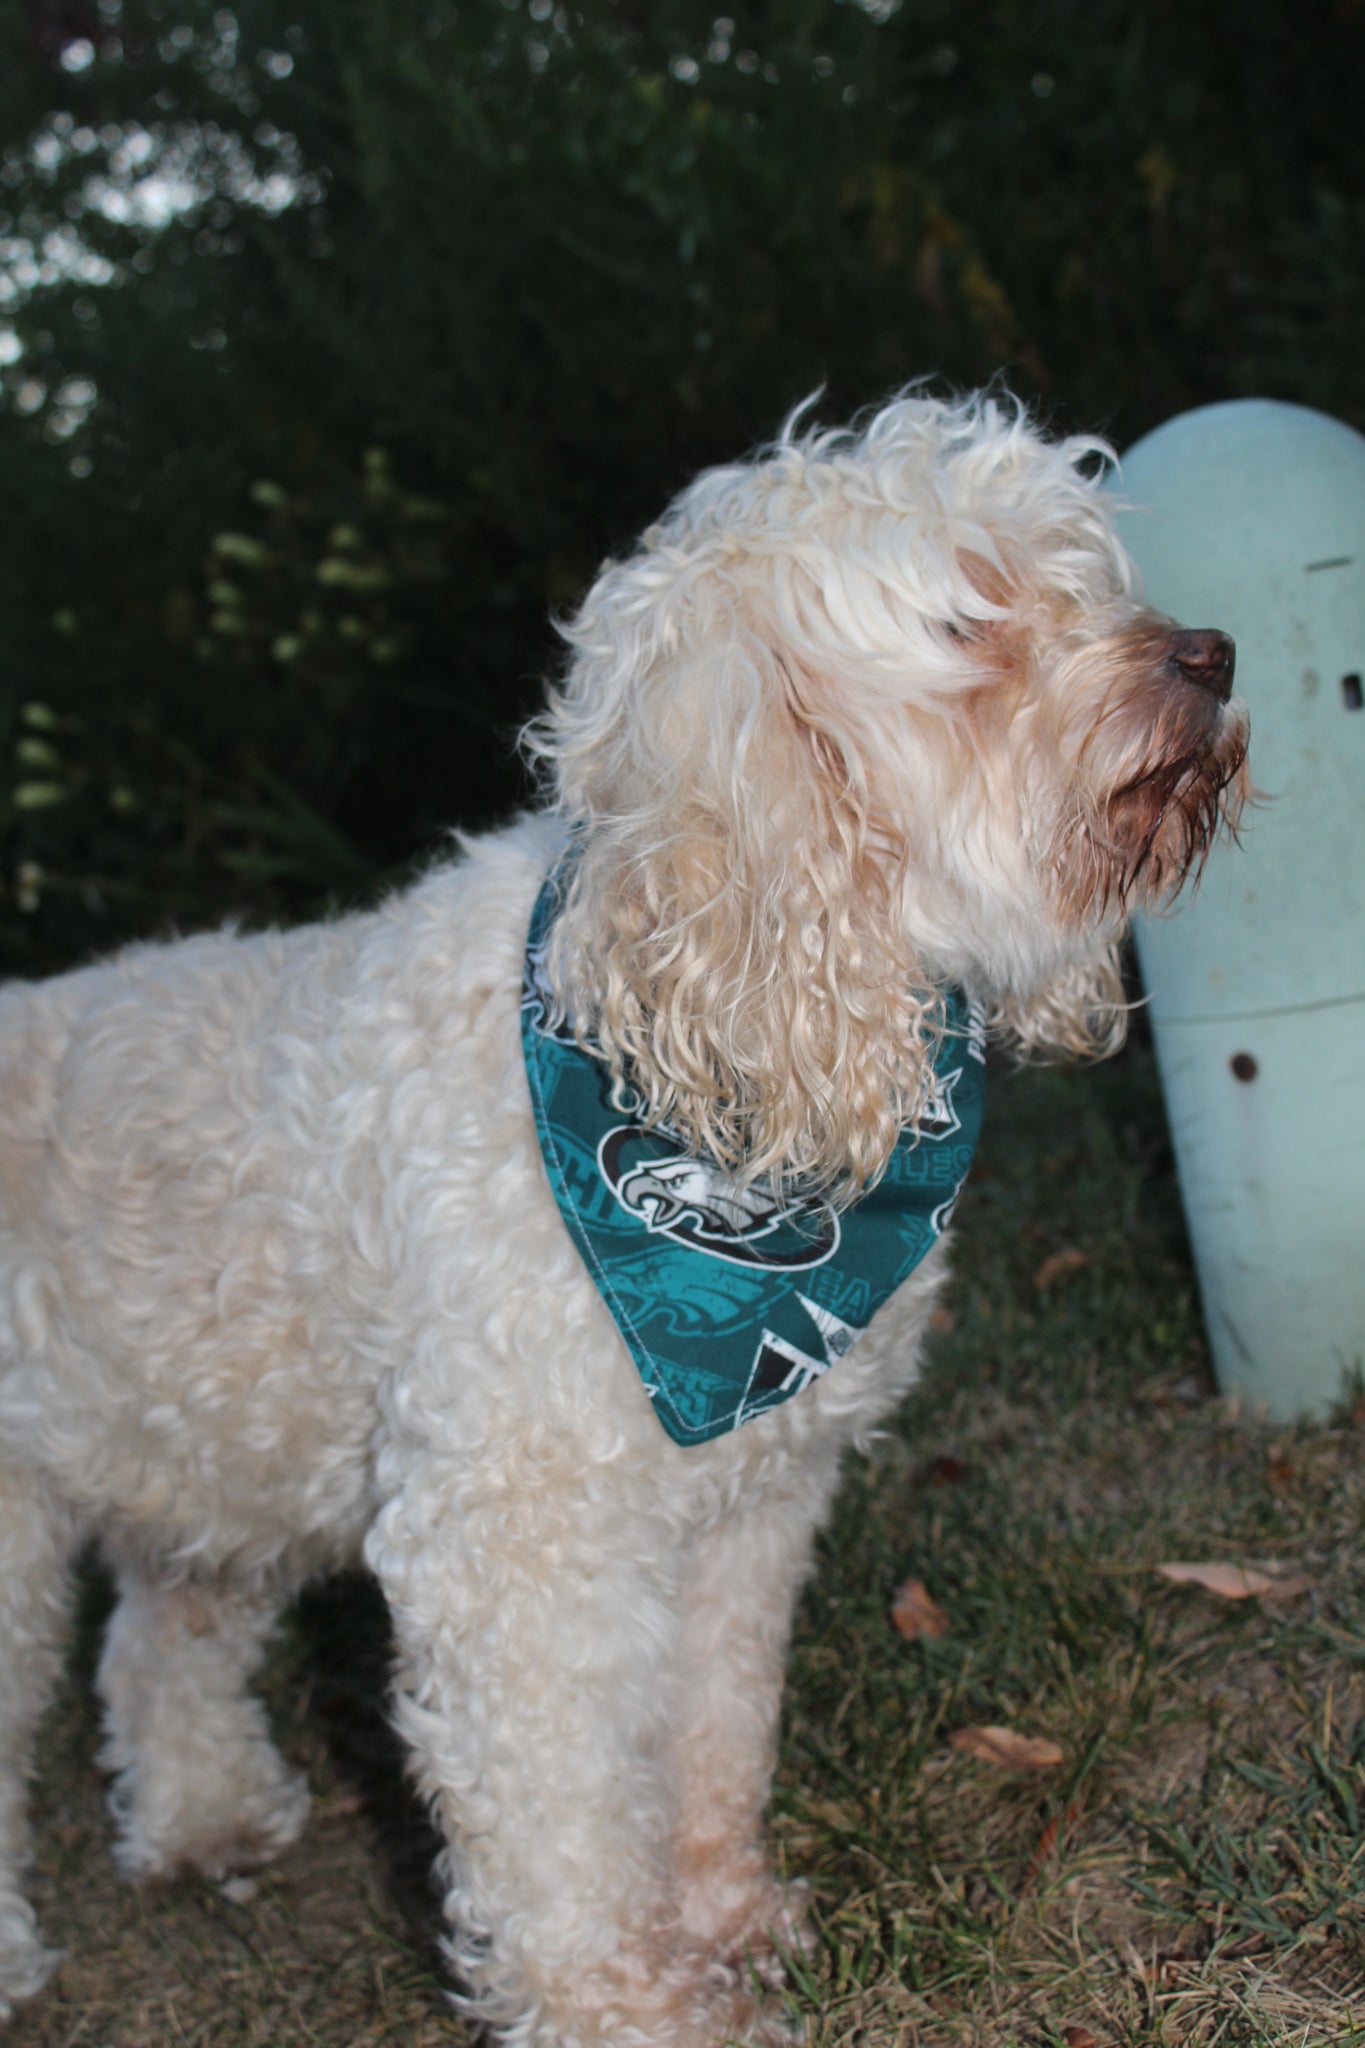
<point>1207,658</point>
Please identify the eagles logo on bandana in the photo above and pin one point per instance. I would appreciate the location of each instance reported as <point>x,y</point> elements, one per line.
<point>731,1300</point>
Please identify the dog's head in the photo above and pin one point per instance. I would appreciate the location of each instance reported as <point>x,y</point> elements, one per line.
<point>873,713</point>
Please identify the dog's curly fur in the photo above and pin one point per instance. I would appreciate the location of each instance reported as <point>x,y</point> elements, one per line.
<point>282,1282</point>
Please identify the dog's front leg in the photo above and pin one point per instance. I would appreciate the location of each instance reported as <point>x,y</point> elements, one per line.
<point>537,1606</point>
<point>741,1591</point>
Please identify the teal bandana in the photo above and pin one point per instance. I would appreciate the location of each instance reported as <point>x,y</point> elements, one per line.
<point>730,1300</point>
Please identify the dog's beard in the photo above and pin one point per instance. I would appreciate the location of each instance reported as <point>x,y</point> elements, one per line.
<point>1160,826</point>
<point>1175,760</point>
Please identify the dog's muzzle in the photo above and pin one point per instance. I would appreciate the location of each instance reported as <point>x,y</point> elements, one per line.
<point>1206,658</point>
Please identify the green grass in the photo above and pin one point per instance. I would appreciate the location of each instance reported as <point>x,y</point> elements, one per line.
<point>1192,1872</point>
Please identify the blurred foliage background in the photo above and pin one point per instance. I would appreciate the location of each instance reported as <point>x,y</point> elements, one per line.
<point>341,339</point>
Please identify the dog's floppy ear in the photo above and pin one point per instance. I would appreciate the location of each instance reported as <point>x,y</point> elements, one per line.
<point>731,937</point>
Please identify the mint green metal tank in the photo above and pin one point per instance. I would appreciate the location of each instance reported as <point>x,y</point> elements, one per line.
<point>1251,517</point>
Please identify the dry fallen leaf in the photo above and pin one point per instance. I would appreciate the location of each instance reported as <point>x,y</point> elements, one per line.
<point>1232,1581</point>
<point>945,1470</point>
<point>1060,1266</point>
<point>1162,1970</point>
<point>1003,1746</point>
<point>1279,1469</point>
<point>1049,1841</point>
<point>915,1613</point>
<point>1079,2037</point>
<point>942,1320</point>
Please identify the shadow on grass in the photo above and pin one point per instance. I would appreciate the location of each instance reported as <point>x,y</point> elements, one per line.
<point>343,1643</point>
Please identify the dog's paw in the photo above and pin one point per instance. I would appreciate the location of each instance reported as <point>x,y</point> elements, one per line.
<point>779,1927</point>
<point>214,1844</point>
<point>749,1929</point>
<point>744,2014</point>
<point>25,1964</point>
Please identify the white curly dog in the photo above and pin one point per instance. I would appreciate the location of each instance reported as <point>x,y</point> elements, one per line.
<point>283,1284</point>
